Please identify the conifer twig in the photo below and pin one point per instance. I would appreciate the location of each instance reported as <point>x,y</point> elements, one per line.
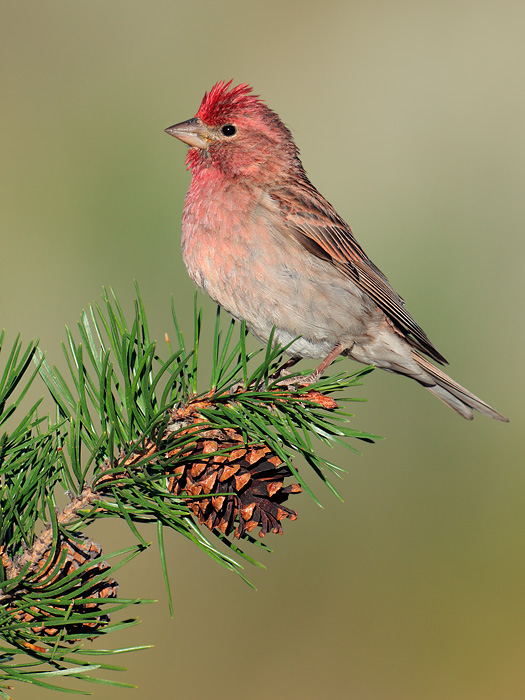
<point>146,440</point>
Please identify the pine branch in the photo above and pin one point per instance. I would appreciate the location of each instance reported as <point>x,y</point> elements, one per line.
<point>135,439</point>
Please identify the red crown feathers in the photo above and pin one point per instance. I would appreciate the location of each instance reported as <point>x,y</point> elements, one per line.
<point>221,102</point>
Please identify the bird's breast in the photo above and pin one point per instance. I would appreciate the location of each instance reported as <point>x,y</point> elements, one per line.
<point>235,248</point>
<point>217,233</point>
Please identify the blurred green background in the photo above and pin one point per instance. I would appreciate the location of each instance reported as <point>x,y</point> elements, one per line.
<point>410,117</point>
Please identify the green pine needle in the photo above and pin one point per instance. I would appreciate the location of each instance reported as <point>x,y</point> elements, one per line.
<point>128,414</point>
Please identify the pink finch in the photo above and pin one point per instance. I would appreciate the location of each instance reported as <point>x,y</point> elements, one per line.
<point>267,246</point>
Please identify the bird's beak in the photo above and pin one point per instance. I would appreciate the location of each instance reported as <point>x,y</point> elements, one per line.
<point>193,132</point>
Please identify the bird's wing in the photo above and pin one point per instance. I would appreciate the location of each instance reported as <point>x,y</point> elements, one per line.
<point>315,224</point>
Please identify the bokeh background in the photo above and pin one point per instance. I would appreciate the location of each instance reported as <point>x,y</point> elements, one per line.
<point>409,116</point>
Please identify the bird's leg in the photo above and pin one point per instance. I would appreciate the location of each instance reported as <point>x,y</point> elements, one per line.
<point>326,363</point>
<point>311,378</point>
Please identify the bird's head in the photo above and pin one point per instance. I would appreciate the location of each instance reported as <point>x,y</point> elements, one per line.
<point>237,133</point>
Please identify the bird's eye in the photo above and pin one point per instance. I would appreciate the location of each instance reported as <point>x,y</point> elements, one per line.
<point>229,130</point>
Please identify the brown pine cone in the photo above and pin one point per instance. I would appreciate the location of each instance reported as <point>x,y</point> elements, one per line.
<point>237,490</point>
<point>76,553</point>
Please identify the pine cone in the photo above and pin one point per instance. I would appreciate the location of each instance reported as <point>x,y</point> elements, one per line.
<point>235,491</point>
<point>77,553</point>
<point>241,488</point>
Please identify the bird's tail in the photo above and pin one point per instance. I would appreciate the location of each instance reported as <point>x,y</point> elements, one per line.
<point>453,394</point>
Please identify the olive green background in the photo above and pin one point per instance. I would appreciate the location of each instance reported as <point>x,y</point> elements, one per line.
<point>409,116</point>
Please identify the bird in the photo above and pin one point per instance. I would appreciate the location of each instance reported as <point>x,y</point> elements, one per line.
<point>265,244</point>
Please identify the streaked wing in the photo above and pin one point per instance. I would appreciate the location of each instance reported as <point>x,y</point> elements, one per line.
<point>317,226</point>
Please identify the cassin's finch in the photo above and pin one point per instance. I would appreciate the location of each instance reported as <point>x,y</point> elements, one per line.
<point>269,248</point>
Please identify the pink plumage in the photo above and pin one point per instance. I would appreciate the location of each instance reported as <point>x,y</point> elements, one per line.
<point>267,246</point>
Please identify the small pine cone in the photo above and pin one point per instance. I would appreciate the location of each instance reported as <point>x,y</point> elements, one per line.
<point>77,553</point>
<point>238,490</point>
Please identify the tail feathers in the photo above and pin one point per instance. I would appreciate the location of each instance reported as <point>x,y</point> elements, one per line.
<point>453,394</point>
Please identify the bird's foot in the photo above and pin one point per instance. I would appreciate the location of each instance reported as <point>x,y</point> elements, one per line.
<point>295,381</point>
<point>314,376</point>
<point>280,377</point>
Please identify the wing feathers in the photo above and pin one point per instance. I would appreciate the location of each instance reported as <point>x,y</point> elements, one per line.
<point>312,221</point>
